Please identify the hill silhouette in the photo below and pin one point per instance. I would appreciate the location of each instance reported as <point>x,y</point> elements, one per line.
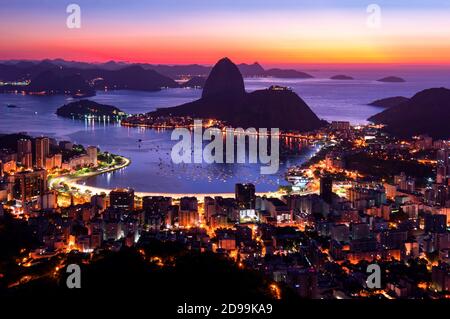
<point>81,108</point>
<point>427,112</point>
<point>224,80</point>
<point>54,82</point>
<point>224,98</point>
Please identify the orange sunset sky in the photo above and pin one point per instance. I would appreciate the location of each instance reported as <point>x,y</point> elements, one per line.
<point>273,33</point>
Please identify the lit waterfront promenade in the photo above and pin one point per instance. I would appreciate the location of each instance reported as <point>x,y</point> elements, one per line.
<point>73,183</point>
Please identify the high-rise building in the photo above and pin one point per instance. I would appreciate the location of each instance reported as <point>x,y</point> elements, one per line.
<point>27,185</point>
<point>99,202</point>
<point>440,277</point>
<point>188,218</point>
<point>156,204</point>
<point>441,194</point>
<point>27,160</point>
<point>23,146</point>
<point>393,238</point>
<point>326,189</point>
<point>188,213</point>
<point>53,161</point>
<point>443,166</point>
<point>42,151</point>
<point>209,207</point>
<point>366,196</point>
<point>443,157</point>
<point>400,180</point>
<point>49,162</point>
<point>122,198</point>
<point>245,195</point>
<point>48,200</point>
<point>441,174</point>
<point>58,160</point>
<point>436,223</point>
<point>188,203</point>
<point>24,151</point>
<point>92,153</point>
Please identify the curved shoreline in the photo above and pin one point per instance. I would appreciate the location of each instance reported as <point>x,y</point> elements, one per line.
<point>71,181</point>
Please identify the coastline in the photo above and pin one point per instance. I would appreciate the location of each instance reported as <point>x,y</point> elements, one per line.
<point>72,180</point>
<point>72,183</point>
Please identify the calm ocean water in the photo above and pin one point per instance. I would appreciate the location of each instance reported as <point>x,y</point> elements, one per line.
<point>152,169</point>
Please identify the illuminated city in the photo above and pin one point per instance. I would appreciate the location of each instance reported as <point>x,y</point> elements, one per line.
<point>97,196</point>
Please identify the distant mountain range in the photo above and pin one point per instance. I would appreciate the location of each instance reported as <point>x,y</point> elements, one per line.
<point>48,78</point>
<point>80,78</point>
<point>12,69</point>
<point>224,98</point>
<point>427,112</point>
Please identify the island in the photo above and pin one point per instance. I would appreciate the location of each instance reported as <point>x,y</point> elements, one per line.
<point>89,109</point>
<point>287,74</point>
<point>389,101</point>
<point>427,112</point>
<point>392,79</point>
<point>341,77</point>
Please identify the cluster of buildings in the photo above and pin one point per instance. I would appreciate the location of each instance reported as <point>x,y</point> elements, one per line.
<point>166,122</point>
<point>24,170</point>
<point>317,241</point>
<point>46,154</point>
<point>244,228</point>
<point>271,235</point>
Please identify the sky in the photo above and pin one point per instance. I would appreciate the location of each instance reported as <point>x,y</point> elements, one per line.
<point>277,32</point>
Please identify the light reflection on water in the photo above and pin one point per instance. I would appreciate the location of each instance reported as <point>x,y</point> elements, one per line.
<point>152,168</point>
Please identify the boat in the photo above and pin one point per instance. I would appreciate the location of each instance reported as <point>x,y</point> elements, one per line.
<point>11,106</point>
